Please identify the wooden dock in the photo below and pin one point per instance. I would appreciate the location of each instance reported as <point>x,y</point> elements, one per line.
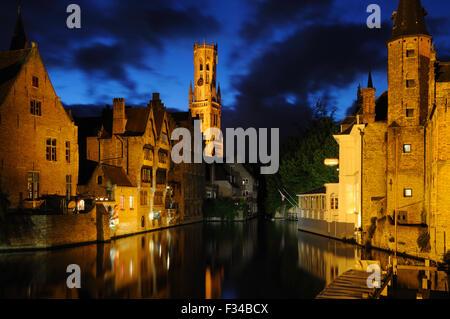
<point>353,285</point>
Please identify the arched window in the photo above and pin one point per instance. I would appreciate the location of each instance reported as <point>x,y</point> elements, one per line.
<point>201,67</point>
<point>207,67</point>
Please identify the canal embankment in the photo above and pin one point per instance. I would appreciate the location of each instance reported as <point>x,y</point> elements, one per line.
<point>25,232</point>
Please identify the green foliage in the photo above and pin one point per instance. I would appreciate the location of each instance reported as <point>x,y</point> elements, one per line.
<point>423,241</point>
<point>224,208</point>
<point>301,159</point>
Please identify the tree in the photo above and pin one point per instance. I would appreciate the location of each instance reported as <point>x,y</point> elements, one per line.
<point>301,159</point>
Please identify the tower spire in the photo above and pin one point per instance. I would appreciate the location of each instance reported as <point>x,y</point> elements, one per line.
<point>370,82</point>
<point>409,19</point>
<point>19,40</point>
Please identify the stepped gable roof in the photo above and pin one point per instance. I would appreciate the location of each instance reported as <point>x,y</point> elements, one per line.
<point>444,72</point>
<point>11,63</point>
<point>409,19</point>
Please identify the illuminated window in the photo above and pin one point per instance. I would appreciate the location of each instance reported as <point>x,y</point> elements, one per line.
<point>35,81</point>
<point>33,185</point>
<point>35,108</point>
<point>68,152</point>
<point>407,192</point>
<point>131,202</point>
<point>407,148</point>
<point>51,150</point>
<point>122,202</point>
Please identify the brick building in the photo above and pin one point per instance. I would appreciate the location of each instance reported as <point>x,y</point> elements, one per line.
<point>404,153</point>
<point>38,137</point>
<point>205,99</point>
<point>136,140</point>
<point>187,180</point>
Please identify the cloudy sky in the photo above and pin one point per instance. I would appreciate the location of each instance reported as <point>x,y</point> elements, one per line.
<point>276,57</point>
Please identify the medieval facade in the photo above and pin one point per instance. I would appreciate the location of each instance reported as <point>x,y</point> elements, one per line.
<point>38,137</point>
<point>400,186</point>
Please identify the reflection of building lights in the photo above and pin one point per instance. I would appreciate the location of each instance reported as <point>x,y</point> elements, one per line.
<point>150,216</point>
<point>159,250</point>
<point>168,262</point>
<point>131,267</point>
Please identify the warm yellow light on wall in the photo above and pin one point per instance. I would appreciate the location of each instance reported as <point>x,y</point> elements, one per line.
<point>331,162</point>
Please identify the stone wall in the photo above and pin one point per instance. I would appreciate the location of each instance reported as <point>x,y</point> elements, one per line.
<point>331,229</point>
<point>43,231</point>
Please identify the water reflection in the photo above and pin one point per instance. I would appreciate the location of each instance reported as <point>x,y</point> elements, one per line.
<point>240,260</point>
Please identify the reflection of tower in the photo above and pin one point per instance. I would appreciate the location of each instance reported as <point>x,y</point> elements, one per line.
<point>205,98</point>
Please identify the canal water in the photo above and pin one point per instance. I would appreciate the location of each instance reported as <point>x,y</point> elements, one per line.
<point>254,259</point>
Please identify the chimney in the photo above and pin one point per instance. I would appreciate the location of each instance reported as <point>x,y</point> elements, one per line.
<point>119,118</point>
<point>368,102</point>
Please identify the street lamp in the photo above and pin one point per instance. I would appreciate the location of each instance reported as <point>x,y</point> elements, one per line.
<point>331,162</point>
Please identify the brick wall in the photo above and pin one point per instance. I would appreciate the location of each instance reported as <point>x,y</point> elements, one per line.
<point>42,231</point>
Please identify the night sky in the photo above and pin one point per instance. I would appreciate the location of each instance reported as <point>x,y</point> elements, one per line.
<point>276,58</point>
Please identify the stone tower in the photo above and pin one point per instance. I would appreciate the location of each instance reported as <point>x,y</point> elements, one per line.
<point>409,51</point>
<point>205,99</point>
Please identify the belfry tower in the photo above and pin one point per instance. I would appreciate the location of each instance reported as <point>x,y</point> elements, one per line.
<point>205,99</point>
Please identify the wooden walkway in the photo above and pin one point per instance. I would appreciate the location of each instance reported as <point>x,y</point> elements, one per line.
<point>353,285</point>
